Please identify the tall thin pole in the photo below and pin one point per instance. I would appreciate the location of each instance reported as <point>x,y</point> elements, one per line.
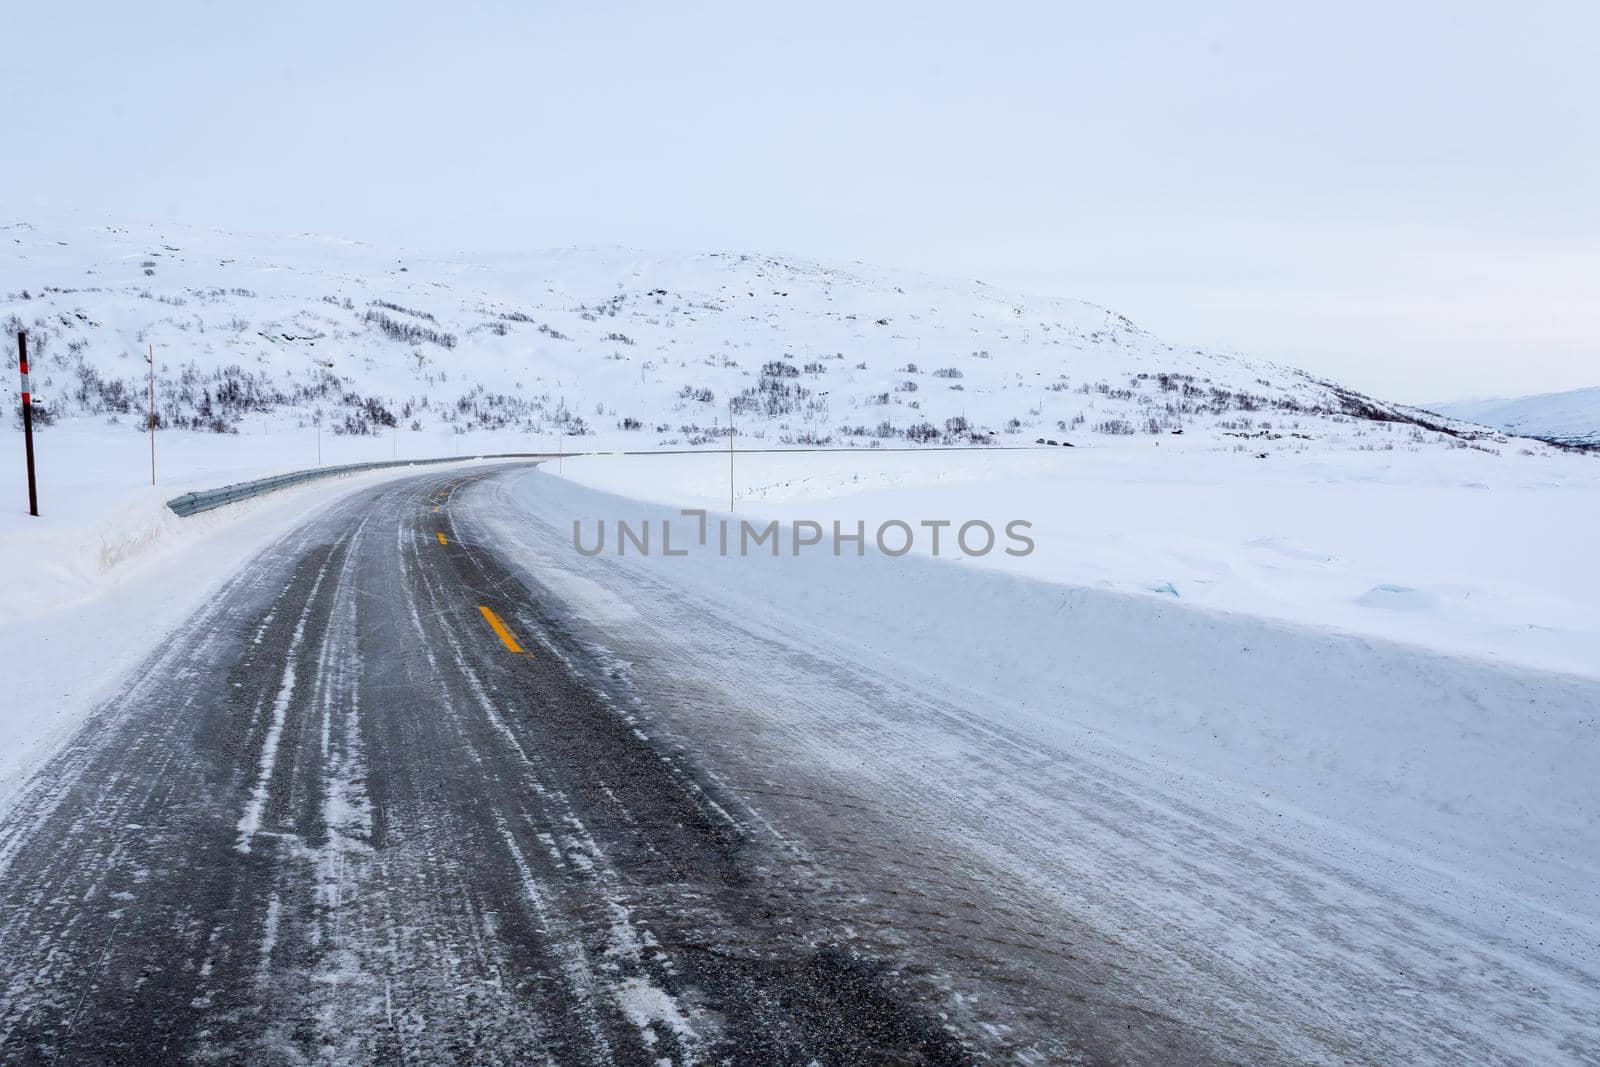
<point>151,359</point>
<point>730,455</point>
<point>27,421</point>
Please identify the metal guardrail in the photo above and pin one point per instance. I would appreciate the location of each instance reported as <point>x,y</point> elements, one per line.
<point>206,499</point>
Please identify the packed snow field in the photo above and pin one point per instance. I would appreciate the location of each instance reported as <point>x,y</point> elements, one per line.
<point>1490,556</point>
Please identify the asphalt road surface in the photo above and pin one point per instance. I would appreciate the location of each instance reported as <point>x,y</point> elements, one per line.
<point>423,785</point>
<point>363,807</point>
<point>357,811</point>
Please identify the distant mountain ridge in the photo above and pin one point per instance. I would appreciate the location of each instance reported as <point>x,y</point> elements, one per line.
<point>649,351</point>
<point>1571,417</point>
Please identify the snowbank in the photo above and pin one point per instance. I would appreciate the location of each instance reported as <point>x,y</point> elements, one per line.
<point>1455,550</point>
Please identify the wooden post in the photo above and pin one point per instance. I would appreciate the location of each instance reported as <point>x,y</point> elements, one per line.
<point>730,455</point>
<point>27,421</point>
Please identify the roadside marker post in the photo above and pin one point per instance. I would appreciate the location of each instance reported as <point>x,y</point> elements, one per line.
<point>27,421</point>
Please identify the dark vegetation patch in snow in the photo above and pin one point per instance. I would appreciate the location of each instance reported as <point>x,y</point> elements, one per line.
<point>408,332</point>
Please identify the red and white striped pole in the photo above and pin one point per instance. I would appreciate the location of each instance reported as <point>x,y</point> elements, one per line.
<point>27,420</point>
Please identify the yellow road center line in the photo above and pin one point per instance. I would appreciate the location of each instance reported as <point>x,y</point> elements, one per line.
<point>499,629</point>
<point>443,540</point>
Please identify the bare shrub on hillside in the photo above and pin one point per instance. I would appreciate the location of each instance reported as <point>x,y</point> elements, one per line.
<point>402,309</point>
<point>408,333</point>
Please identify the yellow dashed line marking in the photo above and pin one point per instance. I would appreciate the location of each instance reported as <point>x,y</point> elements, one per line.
<point>499,628</point>
<point>443,540</point>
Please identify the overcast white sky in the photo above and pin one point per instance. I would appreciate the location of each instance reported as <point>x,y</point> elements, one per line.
<point>1405,196</point>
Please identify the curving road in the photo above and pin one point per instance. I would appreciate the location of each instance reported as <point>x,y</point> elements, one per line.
<point>423,784</point>
<point>365,807</point>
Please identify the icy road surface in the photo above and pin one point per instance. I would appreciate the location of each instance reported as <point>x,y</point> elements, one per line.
<point>423,784</point>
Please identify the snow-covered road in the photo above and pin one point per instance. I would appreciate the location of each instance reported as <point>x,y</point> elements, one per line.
<point>1140,825</point>
<point>424,782</point>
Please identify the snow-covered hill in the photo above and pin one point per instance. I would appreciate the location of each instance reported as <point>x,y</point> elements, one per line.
<point>253,333</point>
<point>1572,417</point>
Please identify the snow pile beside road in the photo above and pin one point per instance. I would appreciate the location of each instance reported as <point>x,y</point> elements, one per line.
<point>98,512</point>
<point>1459,551</point>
